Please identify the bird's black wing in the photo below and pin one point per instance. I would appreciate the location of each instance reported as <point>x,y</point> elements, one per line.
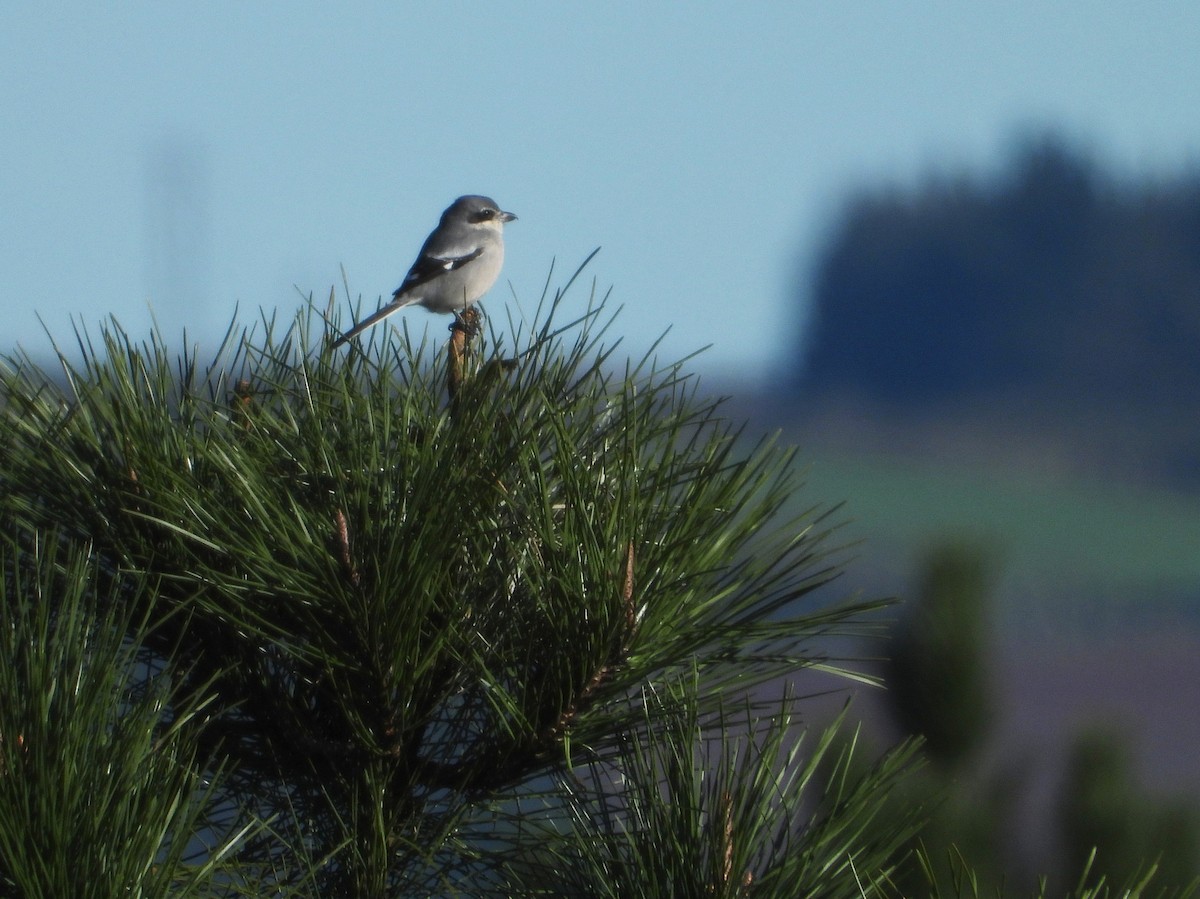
<point>427,267</point>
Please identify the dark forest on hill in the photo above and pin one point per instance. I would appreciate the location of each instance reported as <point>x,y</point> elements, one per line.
<point>1056,287</point>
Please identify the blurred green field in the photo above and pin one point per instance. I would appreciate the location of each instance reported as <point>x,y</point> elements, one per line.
<point>1073,542</point>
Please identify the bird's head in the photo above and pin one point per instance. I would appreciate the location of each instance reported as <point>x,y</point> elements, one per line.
<point>479,210</point>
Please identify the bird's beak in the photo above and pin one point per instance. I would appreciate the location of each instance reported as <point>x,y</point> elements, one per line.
<point>507,217</point>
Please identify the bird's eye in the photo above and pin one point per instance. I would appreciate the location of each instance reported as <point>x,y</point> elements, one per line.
<point>488,213</point>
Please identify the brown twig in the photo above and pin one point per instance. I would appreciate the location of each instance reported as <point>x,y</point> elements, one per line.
<point>342,533</point>
<point>727,850</point>
<point>466,326</point>
<point>242,401</point>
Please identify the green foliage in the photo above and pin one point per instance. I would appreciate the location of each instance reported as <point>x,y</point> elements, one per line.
<point>937,675</point>
<point>963,831</point>
<point>1123,842</point>
<point>1103,811</point>
<point>751,811</point>
<point>99,792</point>
<point>963,884</point>
<point>407,615</point>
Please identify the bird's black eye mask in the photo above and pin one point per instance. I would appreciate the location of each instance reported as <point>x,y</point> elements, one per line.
<point>484,215</point>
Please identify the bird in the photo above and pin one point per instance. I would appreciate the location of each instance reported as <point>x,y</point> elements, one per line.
<point>458,263</point>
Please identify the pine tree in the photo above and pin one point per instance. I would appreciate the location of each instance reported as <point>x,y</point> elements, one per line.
<point>297,622</point>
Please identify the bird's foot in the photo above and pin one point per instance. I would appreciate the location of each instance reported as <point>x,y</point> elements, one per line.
<point>467,321</point>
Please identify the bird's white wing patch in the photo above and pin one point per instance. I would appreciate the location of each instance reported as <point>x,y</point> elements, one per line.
<point>428,267</point>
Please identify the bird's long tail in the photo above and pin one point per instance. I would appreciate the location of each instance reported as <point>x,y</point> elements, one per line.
<point>367,322</point>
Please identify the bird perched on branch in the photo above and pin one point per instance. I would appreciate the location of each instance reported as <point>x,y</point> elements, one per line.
<point>458,263</point>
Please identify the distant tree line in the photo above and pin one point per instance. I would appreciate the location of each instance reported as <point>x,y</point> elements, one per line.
<point>1056,279</point>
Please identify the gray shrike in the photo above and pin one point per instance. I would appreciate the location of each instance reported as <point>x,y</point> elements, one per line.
<point>458,263</point>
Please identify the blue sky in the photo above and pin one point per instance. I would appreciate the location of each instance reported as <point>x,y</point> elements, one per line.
<point>194,157</point>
